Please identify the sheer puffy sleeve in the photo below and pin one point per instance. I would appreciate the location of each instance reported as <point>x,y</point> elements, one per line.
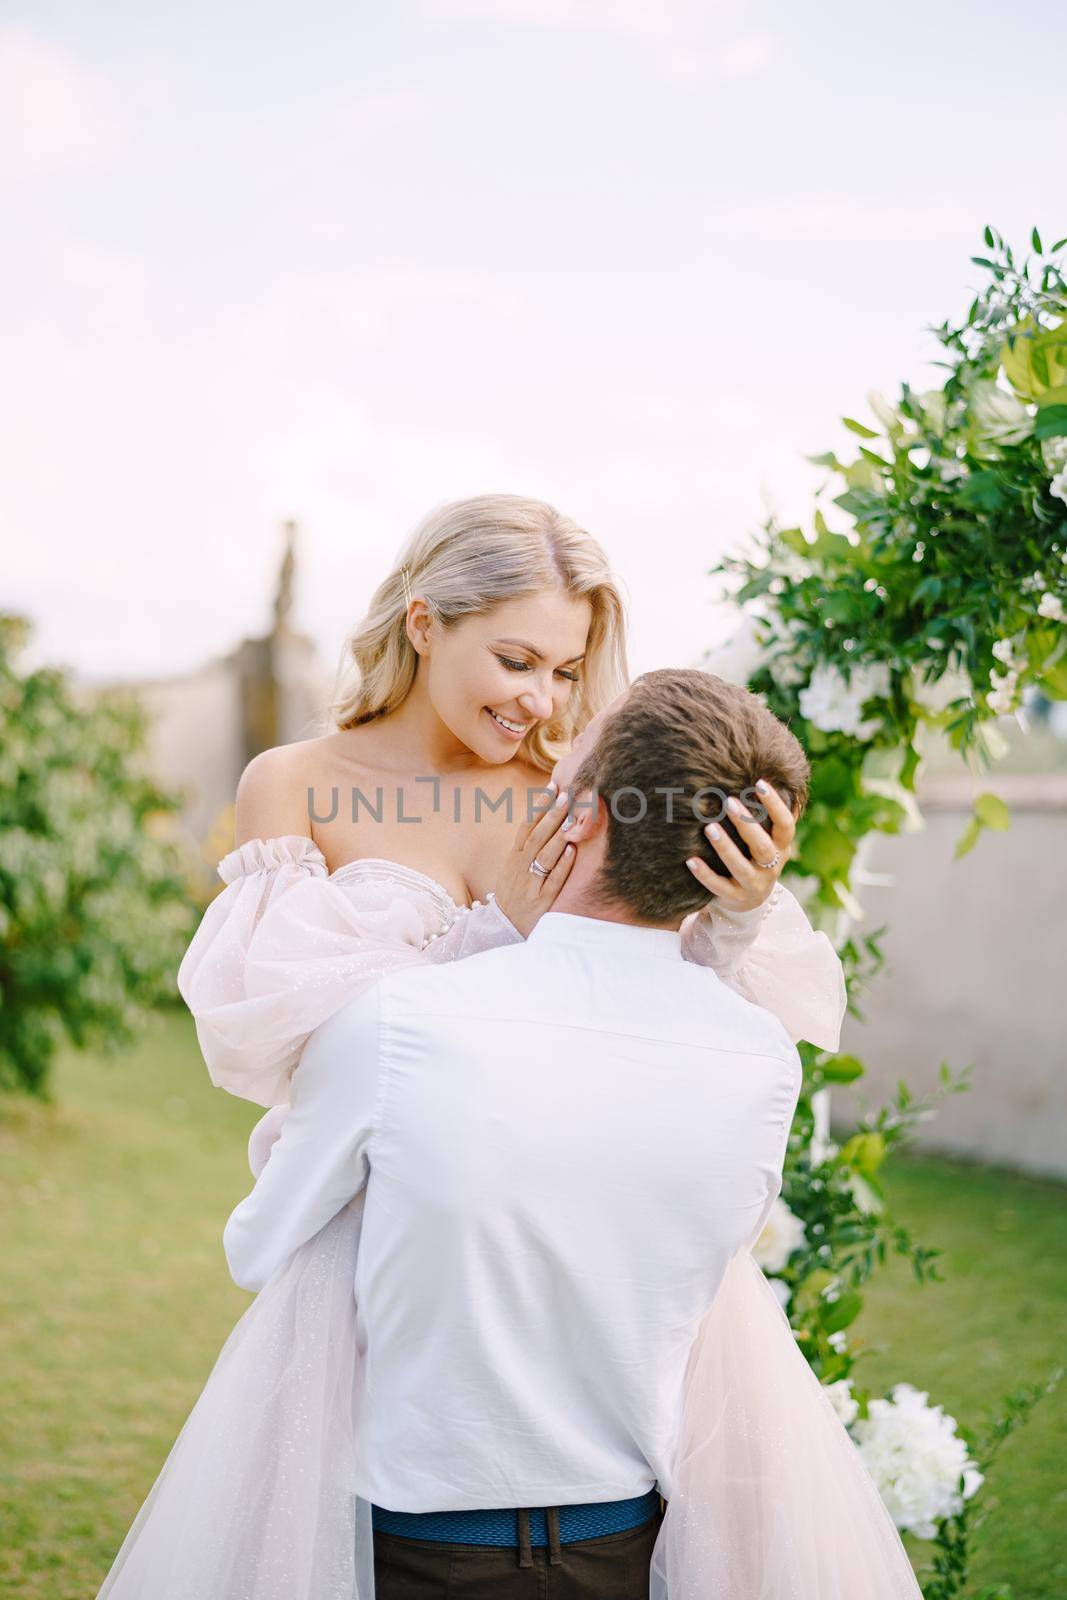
<point>481,926</point>
<point>285,945</point>
<point>775,958</point>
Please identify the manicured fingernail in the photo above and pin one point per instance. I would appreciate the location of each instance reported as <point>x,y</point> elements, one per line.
<point>566,823</point>
<point>713,830</point>
<point>569,850</point>
<point>736,807</point>
<point>551,787</point>
<point>762,785</point>
<point>561,798</point>
<point>691,862</point>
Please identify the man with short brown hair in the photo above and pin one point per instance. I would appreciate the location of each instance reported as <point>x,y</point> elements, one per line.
<point>563,1145</point>
<point>668,754</point>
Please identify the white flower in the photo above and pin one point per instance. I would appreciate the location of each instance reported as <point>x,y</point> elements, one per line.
<point>783,1232</point>
<point>782,1291</point>
<point>999,418</point>
<point>740,657</point>
<point>1058,486</point>
<point>833,704</point>
<point>935,697</point>
<point>842,1399</point>
<point>1054,452</point>
<point>1051,606</point>
<point>914,1455</point>
<point>1004,650</point>
<point>786,670</point>
<point>953,471</point>
<point>837,1341</point>
<point>1004,693</point>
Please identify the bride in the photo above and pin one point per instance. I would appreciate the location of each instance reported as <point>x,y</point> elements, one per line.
<point>484,656</point>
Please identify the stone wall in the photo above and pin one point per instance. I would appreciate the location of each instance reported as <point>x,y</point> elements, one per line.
<point>976,972</point>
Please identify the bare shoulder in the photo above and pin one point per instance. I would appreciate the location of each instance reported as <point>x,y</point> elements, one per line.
<point>273,789</point>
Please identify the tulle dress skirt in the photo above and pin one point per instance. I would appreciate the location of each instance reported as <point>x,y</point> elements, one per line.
<point>256,1500</point>
<point>769,1498</point>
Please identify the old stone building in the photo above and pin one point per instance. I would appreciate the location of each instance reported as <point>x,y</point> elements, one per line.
<point>206,725</point>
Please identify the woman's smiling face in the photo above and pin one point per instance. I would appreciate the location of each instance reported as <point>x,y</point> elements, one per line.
<point>490,678</point>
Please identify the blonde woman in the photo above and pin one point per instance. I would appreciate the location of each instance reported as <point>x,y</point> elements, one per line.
<point>421,829</point>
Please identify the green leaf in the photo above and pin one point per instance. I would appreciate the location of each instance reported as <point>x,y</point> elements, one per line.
<point>968,838</point>
<point>980,261</point>
<point>992,812</point>
<point>909,767</point>
<point>929,589</point>
<point>1051,422</point>
<point>1035,240</point>
<point>793,539</point>
<point>981,492</point>
<point>840,1312</point>
<point>988,237</point>
<point>1053,680</point>
<point>833,782</point>
<point>865,1151</point>
<point>841,605</point>
<point>858,427</point>
<point>825,850</point>
<point>859,503</point>
<point>874,458</point>
<point>842,1069</point>
<point>1027,341</point>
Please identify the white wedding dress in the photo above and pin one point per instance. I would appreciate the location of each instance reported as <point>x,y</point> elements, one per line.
<point>770,1499</point>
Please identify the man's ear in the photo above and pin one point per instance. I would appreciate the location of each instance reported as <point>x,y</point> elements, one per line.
<point>587,815</point>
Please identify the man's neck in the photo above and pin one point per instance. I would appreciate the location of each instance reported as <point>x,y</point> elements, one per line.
<point>582,902</point>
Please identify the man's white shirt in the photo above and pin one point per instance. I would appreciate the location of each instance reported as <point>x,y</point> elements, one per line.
<point>566,1140</point>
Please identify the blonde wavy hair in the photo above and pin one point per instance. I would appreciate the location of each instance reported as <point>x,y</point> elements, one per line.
<point>465,557</point>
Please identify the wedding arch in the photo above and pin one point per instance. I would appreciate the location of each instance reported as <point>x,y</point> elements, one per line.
<point>930,593</point>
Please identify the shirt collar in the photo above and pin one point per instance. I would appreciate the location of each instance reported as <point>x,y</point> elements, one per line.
<point>563,927</point>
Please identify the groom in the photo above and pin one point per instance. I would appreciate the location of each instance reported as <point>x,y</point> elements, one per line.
<point>563,1143</point>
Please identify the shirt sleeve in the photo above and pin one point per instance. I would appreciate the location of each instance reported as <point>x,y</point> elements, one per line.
<point>322,1158</point>
<point>774,1141</point>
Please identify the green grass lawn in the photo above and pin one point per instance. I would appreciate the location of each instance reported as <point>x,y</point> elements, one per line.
<point>997,1321</point>
<point>117,1301</point>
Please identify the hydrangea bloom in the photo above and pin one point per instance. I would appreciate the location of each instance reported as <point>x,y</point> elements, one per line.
<point>842,1399</point>
<point>833,703</point>
<point>916,1458</point>
<point>781,1290</point>
<point>783,1232</point>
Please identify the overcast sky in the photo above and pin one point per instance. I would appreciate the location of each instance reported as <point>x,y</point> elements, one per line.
<point>343,262</point>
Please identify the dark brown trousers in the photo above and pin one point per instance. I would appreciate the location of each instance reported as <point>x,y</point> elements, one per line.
<point>615,1567</point>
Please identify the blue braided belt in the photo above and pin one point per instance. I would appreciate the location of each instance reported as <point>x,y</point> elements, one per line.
<point>501,1527</point>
